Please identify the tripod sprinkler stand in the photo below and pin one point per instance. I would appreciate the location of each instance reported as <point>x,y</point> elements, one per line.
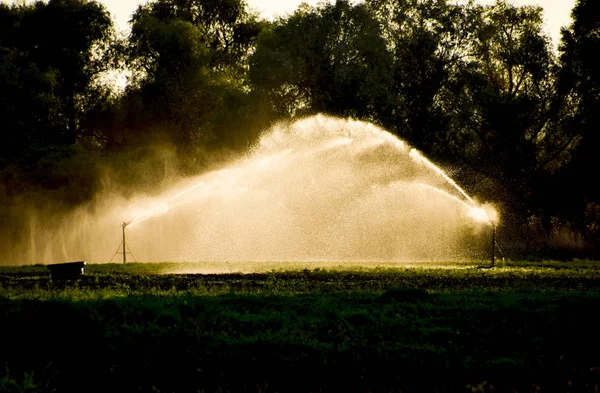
<point>494,246</point>
<point>123,245</point>
<point>493,224</point>
<point>493,242</point>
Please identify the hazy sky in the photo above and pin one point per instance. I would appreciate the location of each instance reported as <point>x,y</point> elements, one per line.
<point>557,12</point>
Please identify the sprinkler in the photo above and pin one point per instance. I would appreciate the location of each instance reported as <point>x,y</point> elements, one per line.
<point>161,208</point>
<point>493,243</point>
<point>494,246</point>
<point>123,246</point>
<point>488,217</point>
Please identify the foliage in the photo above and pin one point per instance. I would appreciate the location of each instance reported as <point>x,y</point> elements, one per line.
<point>329,58</point>
<point>350,330</point>
<point>510,87</point>
<point>190,59</point>
<point>579,94</point>
<point>428,42</point>
<point>49,76</point>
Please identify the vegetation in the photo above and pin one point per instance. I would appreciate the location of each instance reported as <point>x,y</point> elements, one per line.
<point>438,328</point>
<point>479,89</point>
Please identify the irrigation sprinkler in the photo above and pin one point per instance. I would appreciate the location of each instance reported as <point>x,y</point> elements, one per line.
<point>480,215</point>
<point>493,243</point>
<point>123,246</point>
<point>495,246</point>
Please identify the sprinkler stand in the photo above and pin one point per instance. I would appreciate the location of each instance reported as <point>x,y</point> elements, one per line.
<point>493,244</point>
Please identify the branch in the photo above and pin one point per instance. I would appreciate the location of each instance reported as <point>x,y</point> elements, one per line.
<point>556,153</point>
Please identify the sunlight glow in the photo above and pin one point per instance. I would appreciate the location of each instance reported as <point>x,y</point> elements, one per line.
<point>478,214</point>
<point>484,214</point>
<point>158,209</point>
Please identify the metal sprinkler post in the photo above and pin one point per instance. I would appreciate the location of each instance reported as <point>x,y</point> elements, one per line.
<point>494,246</point>
<point>493,242</point>
<point>125,245</point>
<point>122,249</point>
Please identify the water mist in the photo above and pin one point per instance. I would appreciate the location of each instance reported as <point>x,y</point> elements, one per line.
<point>320,188</point>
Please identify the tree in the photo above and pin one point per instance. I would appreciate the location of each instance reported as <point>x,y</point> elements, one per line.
<point>52,57</point>
<point>508,103</point>
<point>579,92</point>
<point>189,56</point>
<point>429,42</point>
<point>329,58</point>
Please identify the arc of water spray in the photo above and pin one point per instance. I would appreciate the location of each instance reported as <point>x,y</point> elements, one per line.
<point>169,203</point>
<point>459,195</point>
<point>415,154</point>
<point>164,207</point>
<point>473,209</point>
<point>476,211</point>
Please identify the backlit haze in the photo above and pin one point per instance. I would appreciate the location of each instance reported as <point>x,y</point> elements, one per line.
<point>317,189</point>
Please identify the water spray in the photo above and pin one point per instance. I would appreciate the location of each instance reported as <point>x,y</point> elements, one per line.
<point>481,214</point>
<point>383,169</point>
<point>478,213</point>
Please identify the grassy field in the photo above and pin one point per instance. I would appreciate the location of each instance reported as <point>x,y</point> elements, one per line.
<point>520,327</point>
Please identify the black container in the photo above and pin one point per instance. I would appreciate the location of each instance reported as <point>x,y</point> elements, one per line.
<point>67,270</point>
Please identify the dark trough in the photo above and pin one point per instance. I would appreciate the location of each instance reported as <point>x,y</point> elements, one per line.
<point>67,270</point>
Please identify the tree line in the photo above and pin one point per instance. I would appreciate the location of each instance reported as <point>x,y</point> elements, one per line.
<point>479,89</point>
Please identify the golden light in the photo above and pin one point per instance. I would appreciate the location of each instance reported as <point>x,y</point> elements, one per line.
<point>484,214</point>
<point>492,214</point>
<point>153,210</point>
<point>478,214</point>
<point>159,208</point>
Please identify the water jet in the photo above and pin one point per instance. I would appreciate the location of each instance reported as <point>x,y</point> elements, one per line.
<point>317,189</point>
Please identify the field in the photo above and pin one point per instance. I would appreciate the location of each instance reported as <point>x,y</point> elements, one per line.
<point>520,327</point>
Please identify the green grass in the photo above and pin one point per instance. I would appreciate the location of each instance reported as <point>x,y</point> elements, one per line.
<point>450,328</point>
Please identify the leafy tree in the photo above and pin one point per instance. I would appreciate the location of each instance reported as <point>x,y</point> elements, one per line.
<point>507,102</point>
<point>429,41</point>
<point>579,93</point>
<point>52,55</point>
<point>329,58</point>
<point>189,56</point>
